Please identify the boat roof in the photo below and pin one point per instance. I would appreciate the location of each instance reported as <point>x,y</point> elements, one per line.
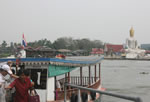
<point>68,61</point>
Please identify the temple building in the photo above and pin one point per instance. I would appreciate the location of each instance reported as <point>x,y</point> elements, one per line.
<point>113,50</point>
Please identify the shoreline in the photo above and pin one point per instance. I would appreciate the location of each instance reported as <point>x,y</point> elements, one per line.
<point>140,59</point>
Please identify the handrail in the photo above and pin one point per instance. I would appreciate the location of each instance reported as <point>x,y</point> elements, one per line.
<point>135,99</point>
<point>77,80</point>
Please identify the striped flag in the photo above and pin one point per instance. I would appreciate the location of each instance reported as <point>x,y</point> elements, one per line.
<point>24,43</point>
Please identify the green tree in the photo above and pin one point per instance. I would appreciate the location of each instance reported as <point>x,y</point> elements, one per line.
<point>60,43</point>
<point>4,44</point>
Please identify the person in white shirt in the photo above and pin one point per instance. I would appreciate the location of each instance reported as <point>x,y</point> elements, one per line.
<point>4,70</point>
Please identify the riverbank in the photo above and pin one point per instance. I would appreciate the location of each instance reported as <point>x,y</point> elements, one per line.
<point>120,58</point>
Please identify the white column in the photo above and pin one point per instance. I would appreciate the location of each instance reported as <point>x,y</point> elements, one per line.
<point>50,89</point>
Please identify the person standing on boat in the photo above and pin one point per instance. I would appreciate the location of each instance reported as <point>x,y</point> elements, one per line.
<point>9,79</point>
<point>9,63</point>
<point>13,90</point>
<point>22,86</point>
<point>58,88</point>
<point>4,70</point>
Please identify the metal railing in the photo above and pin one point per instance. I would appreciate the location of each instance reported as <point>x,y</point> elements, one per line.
<point>134,99</point>
<point>77,80</point>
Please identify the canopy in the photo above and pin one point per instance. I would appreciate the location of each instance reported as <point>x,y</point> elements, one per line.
<point>55,70</point>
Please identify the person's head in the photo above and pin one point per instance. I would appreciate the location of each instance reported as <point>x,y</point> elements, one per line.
<point>21,74</point>
<point>27,73</point>
<point>9,63</point>
<point>5,69</point>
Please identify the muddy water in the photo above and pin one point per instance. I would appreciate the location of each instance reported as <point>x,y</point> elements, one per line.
<point>125,77</point>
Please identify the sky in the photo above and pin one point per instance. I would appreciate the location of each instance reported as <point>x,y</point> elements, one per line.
<point>105,20</point>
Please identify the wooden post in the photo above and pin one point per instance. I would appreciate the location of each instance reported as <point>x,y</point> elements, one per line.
<point>81,76</point>
<point>100,72</point>
<point>65,77</point>
<point>17,66</point>
<point>95,73</point>
<point>69,82</point>
<point>89,75</point>
<point>68,77</point>
<point>55,97</point>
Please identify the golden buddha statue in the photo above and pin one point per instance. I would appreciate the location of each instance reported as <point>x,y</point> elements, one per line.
<point>131,32</point>
<point>132,50</point>
<point>131,43</point>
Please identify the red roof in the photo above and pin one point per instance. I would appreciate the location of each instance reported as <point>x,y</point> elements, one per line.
<point>97,51</point>
<point>115,48</point>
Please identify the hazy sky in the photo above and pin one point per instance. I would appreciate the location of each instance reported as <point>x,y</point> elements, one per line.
<point>105,20</point>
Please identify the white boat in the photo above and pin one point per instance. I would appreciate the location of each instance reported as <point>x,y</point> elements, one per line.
<point>44,72</point>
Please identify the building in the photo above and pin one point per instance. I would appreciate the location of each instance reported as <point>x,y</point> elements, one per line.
<point>65,52</point>
<point>97,51</point>
<point>41,51</point>
<point>113,50</point>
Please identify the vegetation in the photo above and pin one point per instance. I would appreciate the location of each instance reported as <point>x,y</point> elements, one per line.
<point>60,43</point>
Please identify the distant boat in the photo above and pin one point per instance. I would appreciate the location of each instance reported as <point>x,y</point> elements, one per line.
<point>60,56</point>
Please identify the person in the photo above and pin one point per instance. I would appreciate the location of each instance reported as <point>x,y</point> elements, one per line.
<point>10,93</point>
<point>4,70</point>
<point>9,64</point>
<point>22,86</point>
<point>9,78</point>
<point>58,86</point>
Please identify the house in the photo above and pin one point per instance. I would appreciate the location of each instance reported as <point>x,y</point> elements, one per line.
<point>112,49</point>
<point>65,52</point>
<point>41,51</point>
<point>97,51</point>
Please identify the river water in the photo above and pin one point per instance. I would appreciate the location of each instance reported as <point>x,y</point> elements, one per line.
<point>126,77</point>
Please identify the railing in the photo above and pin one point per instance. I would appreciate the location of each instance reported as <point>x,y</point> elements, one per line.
<point>134,99</point>
<point>95,83</point>
<point>77,80</point>
<point>84,81</point>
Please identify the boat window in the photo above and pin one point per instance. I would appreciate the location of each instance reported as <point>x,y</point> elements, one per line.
<point>39,77</point>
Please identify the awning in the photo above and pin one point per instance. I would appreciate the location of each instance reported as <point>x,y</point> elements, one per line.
<point>54,70</point>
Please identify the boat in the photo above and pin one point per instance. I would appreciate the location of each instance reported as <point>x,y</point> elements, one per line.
<point>44,73</point>
<point>60,56</point>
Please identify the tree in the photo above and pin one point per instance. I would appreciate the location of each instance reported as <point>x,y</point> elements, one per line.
<point>11,45</point>
<point>97,44</point>
<point>43,42</point>
<point>61,43</point>
<point>4,44</point>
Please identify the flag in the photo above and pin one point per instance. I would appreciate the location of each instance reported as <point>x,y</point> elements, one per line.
<point>24,43</point>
